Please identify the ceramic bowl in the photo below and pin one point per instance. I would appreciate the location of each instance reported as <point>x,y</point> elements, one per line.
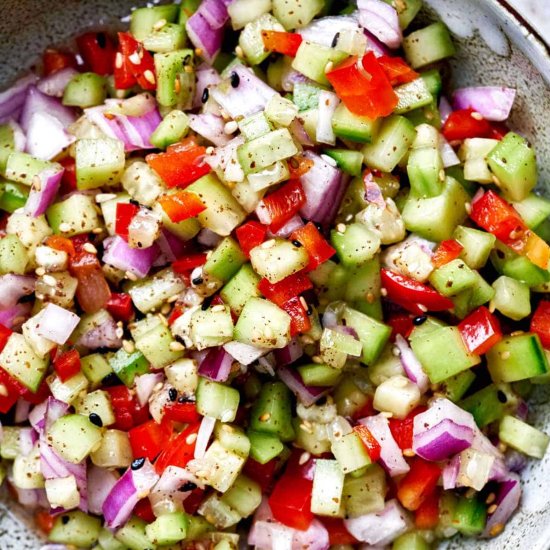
<point>495,47</point>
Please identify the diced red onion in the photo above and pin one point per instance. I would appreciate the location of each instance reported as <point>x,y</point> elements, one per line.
<point>46,413</point>
<point>322,31</point>
<point>171,247</point>
<point>391,456</point>
<point>380,528</point>
<point>507,501</point>
<point>167,496</point>
<point>55,83</point>
<point>46,136</point>
<point>375,46</point>
<point>448,155</point>
<point>291,225</point>
<point>306,394</point>
<point>203,36</point>
<point>137,261</point>
<point>244,354</point>
<point>328,101</point>
<point>442,441</point>
<point>206,77</point>
<point>522,410</point>
<point>290,353</point>
<point>216,365</point>
<point>267,364</point>
<point>102,336</point>
<point>13,99</point>
<point>100,483</point>
<point>37,102</point>
<point>515,461</point>
<point>381,20</point>
<point>27,438</point>
<point>145,385</point>
<point>249,97</point>
<point>445,109</point>
<point>22,409</point>
<point>373,193</point>
<point>411,364</point>
<point>324,187</point>
<point>204,434</point>
<point>30,498</point>
<point>492,102</point>
<point>13,287</point>
<point>56,323</point>
<point>290,77</point>
<point>215,13</point>
<point>13,317</point>
<point>449,475</point>
<point>210,127</point>
<point>208,238</point>
<point>43,191</point>
<point>125,494</point>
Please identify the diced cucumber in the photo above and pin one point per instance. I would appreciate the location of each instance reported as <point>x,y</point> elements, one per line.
<point>98,162</point>
<point>311,60</point>
<point>427,45</point>
<point>75,528</point>
<point>356,245</point>
<point>412,95</point>
<point>410,541</point>
<point>132,534</point>
<point>217,400</point>
<point>12,196</point>
<point>69,390</point>
<point>149,294</point>
<point>221,467</point>
<point>407,10</point>
<point>397,395</point>
<point>295,15</point>
<point>521,436</point>
<point>456,386</point>
<point>271,413</point>
<point>85,90</point>
<point>107,541</point>
<point>488,404</point>
<point>350,162</point>
<point>452,278</point>
<point>74,437</point>
<point>128,365</point>
<point>170,67</point>
<point>533,209</point>
<point>186,229</point>
<point>169,37</point>
<point>280,110</point>
<point>315,374</point>
<point>350,452</point>
<point>242,12</point>
<point>425,170</point>
<point>277,259</point>
<point>328,486</point>
<point>14,257</point>
<point>250,38</point>
<point>473,152</point>
<point>264,447</point>
<point>255,126</point>
<point>20,361</point>
<point>7,145</point>
<point>244,496</point>
<point>168,528</point>
<point>173,128</point>
<point>306,96</point>
<point>144,20</point>
<point>26,471</point>
<point>512,298</point>
<point>469,516</point>
<point>157,345</point>
<point>442,353</point>
<point>97,402</point>
<point>23,168</point>
<point>346,124</point>
<point>211,327</point>
<point>114,451</point>
<point>517,358</point>
<point>225,260</point>
<point>366,493</point>
<point>76,215</point>
<point>390,145</point>
<point>240,288</point>
<point>476,244</point>
<point>218,512</point>
<point>233,439</point>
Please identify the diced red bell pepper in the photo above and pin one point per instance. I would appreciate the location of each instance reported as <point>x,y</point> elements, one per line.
<point>10,390</point>
<point>250,235</point>
<point>410,294</point>
<point>120,306</point>
<point>181,164</point>
<point>37,397</point>
<point>44,521</point>
<point>179,450</point>
<point>67,365</point>
<point>55,60</point>
<point>418,484</point>
<point>465,123</point>
<point>402,429</point>
<point>262,474</point>
<point>284,290</point>
<point>61,243</point>
<point>369,441</point>
<point>133,64</point>
<point>480,330</point>
<point>188,263</point>
<point>68,179</point>
<point>363,86</point>
<point>144,511</point>
<point>540,323</point>
<point>192,503</point>
<point>401,323</point>
<point>426,515</point>
<point>282,204</point>
<point>128,412</point>
<point>397,70</point>
<point>317,247</point>
<point>181,205</point>
<point>125,211</point>
<point>149,439</point>
<point>175,314</point>
<point>446,252</point>
<point>93,291</point>
<point>185,413</point>
<point>299,319</point>
<point>366,410</point>
<point>286,43</point>
<point>337,532</point>
<point>5,334</point>
<point>298,166</point>
<point>98,52</point>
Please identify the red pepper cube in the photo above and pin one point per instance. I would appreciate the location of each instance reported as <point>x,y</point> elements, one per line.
<point>369,441</point>
<point>464,124</point>
<point>250,235</point>
<point>286,43</point>
<point>317,247</point>
<point>179,450</point>
<point>278,207</point>
<point>98,52</point>
<point>149,439</point>
<point>540,323</point>
<point>125,211</point>
<point>446,252</point>
<point>480,331</point>
<point>120,306</point>
<point>67,365</point>
<point>290,501</point>
<point>284,290</point>
<point>181,205</point>
<point>419,483</point>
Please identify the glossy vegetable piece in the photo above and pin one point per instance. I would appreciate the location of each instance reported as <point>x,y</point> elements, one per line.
<point>480,330</point>
<point>286,43</point>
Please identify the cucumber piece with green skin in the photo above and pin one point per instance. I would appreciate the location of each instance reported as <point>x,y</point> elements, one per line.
<point>132,534</point>
<point>350,162</point>
<point>211,327</point>
<point>156,345</point>
<point>469,516</point>
<point>364,282</point>
<point>14,257</point>
<point>477,245</point>
<point>517,358</point>
<point>315,374</point>
<point>12,196</point>
<point>452,278</point>
<point>221,477</point>
<point>306,96</point>
<point>436,218</point>
<point>295,16</point>
<point>7,145</point>
<point>412,95</point>
<point>23,168</point>
<point>226,259</point>
<point>223,213</point>
<point>217,400</point>
<point>524,438</point>
<point>410,541</point>
<point>76,216</point>
<point>391,144</point>
<point>277,259</point>
<point>488,404</point>
<point>250,38</point>
<point>20,361</point>
<point>356,245</point>
<point>264,446</point>
<point>85,90</point>
<point>168,38</point>
<point>240,288</point>
<point>244,496</point>
<point>348,125</point>
<point>407,10</point>
<point>433,81</point>
<point>173,127</point>
<point>128,365</point>
<point>233,439</point>
<point>271,413</point>
<point>429,114</point>
<point>144,20</point>
<point>533,210</point>
<point>514,164</point>
<point>512,298</point>
<point>107,541</point>
<point>311,60</point>
<point>168,528</point>
<point>366,493</point>
<point>245,11</point>
<point>168,68</point>
<point>425,169</point>
<point>76,528</point>
<point>456,386</point>
<point>427,45</point>
<point>443,354</point>
<point>328,485</point>
<point>98,162</point>
<point>74,437</point>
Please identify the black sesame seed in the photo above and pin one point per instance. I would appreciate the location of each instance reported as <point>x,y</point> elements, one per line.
<point>187,486</point>
<point>197,281</point>
<point>235,79</point>
<point>205,95</point>
<point>101,40</point>
<point>65,520</point>
<point>501,396</point>
<point>96,420</point>
<point>335,40</point>
<point>185,399</point>
<point>172,394</point>
<point>297,244</point>
<point>137,463</point>
<point>207,302</point>
<point>417,321</point>
<point>134,202</point>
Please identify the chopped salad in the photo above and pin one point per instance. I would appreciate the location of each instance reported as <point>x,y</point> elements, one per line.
<point>263,282</point>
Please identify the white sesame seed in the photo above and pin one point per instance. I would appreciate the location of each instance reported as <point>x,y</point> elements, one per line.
<point>49,280</point>
<point>442,175</point>
<point>104,197</point>
<point>304,457</point>
<point>268,244</point>
<point>157,387</point>
<point>496,181</point>
<point>130,275</point>
<point>97,230</point>
<point>329,66</point>
<point>176,346</point>
<point>40,271</point>
<point>165,309</point>
<point>477,116</point>
<point>239,52</point>
<point>89,247</point>
<point>395,351</point>
<point>317,359</point>
<point>468,208</point>
<point>119,332</point>
<point>303,302</point>
<point>505,355</point>
<point>210,150</point>
<point>128,346</point>
<point>3,390</point>
<point>383,292</point>
<point>159,24</point>
<point>191,438</point>
<point>173,298</point>
<point>341,228</point>
<point>134,58</point>
<point>118,60</point>
<point>422,308</point>
<point>163,319</point>
<point>218,307</point>
<point>387,414</point>
<point>64,227</point>
<point>198,52</point>
<point>230,127</point>
<point>149,76</point>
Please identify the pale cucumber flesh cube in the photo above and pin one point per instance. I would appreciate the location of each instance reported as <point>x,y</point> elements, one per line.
<point>74,437</point>
<point>73,216</point>
<point>99,162</point>
<point>250,38</point>
<point>23,168</point>
<point>277,259</point>
<point>328,485</point>
<point>311,60</point>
